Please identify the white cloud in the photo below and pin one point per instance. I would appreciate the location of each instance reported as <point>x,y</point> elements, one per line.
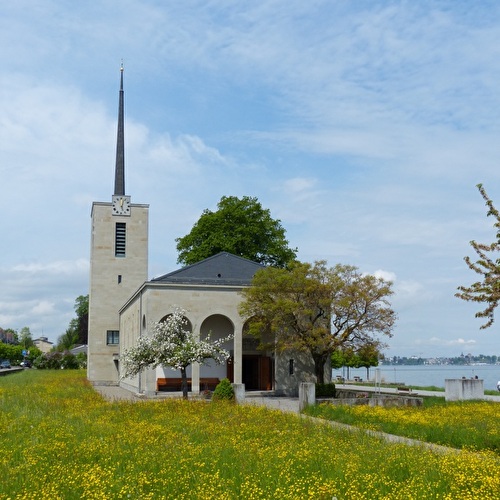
<point>364,127</point>
<point>385,275</point>
<point>43,307</point>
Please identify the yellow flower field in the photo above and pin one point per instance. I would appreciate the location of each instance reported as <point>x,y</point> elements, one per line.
<point>462,424</point>
<point>61,440</point>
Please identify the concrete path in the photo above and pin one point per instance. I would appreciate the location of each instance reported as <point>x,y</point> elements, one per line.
<point>115,393</point>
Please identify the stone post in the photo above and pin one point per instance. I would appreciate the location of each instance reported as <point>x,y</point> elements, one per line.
<point>307,394</point>
<point>461,389</point>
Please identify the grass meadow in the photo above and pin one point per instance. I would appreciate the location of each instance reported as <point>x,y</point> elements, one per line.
<point>60,440</point>
<point>472,425</point>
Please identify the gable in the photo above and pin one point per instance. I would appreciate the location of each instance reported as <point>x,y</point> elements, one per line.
<point>221,269</point>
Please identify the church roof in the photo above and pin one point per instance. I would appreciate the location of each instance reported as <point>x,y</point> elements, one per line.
<point>221,269</point>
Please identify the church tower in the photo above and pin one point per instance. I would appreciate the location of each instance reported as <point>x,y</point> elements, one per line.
<point>118,265</point>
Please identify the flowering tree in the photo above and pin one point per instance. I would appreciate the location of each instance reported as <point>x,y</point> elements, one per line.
<point>173,344</point>
<point>487,289</point>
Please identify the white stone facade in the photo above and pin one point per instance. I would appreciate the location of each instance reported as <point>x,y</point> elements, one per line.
<point>113,279</point>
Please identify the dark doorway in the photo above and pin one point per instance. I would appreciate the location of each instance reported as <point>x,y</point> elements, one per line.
<point>257,373</point>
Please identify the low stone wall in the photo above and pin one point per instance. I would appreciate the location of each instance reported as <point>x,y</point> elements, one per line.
<point>347,397</point>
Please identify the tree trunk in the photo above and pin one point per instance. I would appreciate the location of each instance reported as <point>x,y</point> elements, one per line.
<point>319,367</point>
<point>184,383</point>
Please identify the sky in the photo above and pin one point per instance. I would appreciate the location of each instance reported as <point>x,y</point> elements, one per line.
<point>364,127</point>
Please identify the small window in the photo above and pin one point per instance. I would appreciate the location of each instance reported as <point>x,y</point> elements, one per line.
<point>112,337</point>
<point>290,367</point>
<point>120,234</point>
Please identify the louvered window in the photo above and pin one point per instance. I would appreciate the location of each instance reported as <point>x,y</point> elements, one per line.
<point>120,236</point>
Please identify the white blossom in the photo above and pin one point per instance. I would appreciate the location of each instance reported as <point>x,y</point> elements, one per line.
<point>172,344</point>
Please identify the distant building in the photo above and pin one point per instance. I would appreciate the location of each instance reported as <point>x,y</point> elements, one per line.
<point>43,344</point>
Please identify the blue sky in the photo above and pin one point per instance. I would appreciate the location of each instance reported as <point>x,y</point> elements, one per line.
<point>363,126</point>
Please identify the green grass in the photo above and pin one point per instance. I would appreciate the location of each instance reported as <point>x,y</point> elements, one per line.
<point>61,440</point>
<point>461,424</point>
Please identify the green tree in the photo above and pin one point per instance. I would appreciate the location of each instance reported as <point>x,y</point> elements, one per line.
<point>25,338</point>
<point>241,227</point>
<point>487,289</point>
<point>67,340</point>
<point>317,309</point>
<point>77,332</point>
<point>367,356</point>
<point>81,324</point>
<point>172,344</point>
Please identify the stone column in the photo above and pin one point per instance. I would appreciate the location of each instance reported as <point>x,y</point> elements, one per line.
<point>238,353</point>
<point>239,393</point>
<point>195,378</point>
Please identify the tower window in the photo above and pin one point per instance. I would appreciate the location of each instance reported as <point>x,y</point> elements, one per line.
<point>120,234</point>
<point>112,337</point>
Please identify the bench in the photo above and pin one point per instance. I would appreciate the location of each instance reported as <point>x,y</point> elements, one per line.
<point>404,390</point>
<point>358,379</point>
<point>175,384</point>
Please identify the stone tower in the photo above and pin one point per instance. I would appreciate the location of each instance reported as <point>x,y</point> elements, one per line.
<point>118,265</point>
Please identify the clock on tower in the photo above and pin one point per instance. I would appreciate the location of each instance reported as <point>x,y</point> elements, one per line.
<point>121,205</point>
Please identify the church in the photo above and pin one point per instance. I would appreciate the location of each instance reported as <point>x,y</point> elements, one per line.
<point>123,303</point>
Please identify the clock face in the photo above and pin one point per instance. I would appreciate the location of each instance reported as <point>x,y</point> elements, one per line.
<point>121,205</point>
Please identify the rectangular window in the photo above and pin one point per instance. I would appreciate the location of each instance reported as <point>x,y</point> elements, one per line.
<point>120,234</point>
<point>112,337</point>
<point>291,368</point>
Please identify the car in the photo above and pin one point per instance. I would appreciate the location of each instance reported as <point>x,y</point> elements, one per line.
<point>26,364</point>
<point>5,364</point>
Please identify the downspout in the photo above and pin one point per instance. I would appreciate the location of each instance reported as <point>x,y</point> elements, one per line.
<point>140,335</point>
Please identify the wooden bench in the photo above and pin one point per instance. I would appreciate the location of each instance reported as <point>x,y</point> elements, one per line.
<point>175,384</point>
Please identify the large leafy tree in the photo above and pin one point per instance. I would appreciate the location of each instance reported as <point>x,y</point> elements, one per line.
<point>487,289</point>
<point>172,343</point>
<point>317,309</point>
<point>238,226</point>
<point>77,332</point>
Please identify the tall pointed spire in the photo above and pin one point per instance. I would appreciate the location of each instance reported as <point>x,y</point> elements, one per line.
<point>120,145</point>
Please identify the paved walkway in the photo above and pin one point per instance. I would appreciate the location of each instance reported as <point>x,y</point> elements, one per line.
<point>115,393</point>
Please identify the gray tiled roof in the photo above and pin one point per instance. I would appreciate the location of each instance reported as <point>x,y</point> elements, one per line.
<point>221,269</point>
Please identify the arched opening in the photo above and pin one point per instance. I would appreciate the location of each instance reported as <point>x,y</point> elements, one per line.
<point>188,323</point>
<point>217,326</point>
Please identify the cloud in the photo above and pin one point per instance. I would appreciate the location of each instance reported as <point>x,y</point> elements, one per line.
<point>363,127</point>
<point>452,342</point>
<point>43,307</point>
<point>58,267</point>
<point>385,275</point>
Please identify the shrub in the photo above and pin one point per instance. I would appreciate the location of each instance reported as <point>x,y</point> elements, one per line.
<point>325,390</point>
<point>56,360</point>
<point>224,390</point>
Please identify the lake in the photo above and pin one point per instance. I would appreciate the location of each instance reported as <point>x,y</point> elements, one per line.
<point>427,375</point>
